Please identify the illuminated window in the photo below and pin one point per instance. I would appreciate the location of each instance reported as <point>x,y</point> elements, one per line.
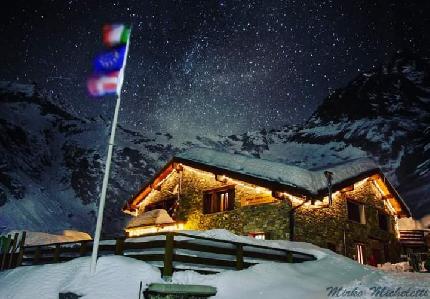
<point>218,200</point>
<point>356,212</point>
<point>257,235</point>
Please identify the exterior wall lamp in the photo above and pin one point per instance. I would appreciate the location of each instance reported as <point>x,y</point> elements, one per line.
<point>329,177</point>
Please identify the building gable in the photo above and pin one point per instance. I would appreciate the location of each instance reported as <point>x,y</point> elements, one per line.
<point>275,176</point>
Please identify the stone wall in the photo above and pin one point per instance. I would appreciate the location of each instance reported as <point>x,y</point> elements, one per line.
<point>322,226</point>
<point>257,211</point>
<point>270,215</point>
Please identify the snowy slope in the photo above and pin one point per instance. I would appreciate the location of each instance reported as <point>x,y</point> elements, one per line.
<point>51,163</point>
<point>52,160</point>
<point>119,277</point>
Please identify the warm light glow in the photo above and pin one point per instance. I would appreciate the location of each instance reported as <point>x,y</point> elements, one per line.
<point>132,213</point>
<point>138,231</point>
<point>396,227</point>
<point>163,180</point>
<point>360,183</point>
<point>375,183</point>
<point>295,201</point>
<point>390,207</point>
<point>221,178</point>
<point>318,203</point>
<point>226,179</point>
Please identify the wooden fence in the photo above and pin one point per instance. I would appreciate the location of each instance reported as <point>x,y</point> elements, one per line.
<point>170,251</point>
<point>412,238</point>
<point>11,250</point>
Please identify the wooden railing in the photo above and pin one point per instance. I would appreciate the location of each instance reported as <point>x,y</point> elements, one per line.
<point>412,238</point>
<point>170,251</point>
<point>11,250</point>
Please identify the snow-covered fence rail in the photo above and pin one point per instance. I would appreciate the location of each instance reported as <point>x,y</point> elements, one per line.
<point>171,251</point>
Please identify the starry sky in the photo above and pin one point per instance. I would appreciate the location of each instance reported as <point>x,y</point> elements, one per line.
<point>208,67</point>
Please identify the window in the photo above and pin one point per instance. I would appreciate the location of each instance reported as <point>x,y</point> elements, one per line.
<point>218,200</point>
<point>356,212</point>
<point>257,235</point>
<point>383,221</point>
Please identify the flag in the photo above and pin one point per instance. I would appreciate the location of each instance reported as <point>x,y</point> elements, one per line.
<point>115,34</point>
<point>111,60</point>
<point>100,85</point>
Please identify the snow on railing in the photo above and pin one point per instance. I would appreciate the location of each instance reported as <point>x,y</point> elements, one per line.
<point>169,251</point>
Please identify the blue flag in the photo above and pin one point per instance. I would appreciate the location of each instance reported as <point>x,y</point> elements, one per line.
<point>109,61</point>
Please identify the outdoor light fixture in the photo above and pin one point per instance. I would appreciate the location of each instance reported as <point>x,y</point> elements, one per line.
<point>329,176</point>
<point>221,178</point>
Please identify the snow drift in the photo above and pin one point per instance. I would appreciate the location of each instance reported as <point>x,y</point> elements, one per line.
<point>119,277</point>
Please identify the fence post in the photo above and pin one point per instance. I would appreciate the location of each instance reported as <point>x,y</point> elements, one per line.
<point>36,255</point>
<point>13,249</point>
<point>5,253</point>
<point>289,257</point>
<point>57,253</point>
<point>168,257</point>
<point>239,257</point>
<point>83,248</point>
<point>119,246</point>
<point>21,250</point>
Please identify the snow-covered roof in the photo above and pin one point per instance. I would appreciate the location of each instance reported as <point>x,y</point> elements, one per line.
<point>313,181</point>
<point>154,217</point>
<point>275,175</point>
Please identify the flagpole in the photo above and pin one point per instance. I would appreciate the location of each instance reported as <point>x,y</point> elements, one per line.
<point>99,224</point>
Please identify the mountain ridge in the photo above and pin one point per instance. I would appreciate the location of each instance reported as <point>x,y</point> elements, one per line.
<point>52,162</point>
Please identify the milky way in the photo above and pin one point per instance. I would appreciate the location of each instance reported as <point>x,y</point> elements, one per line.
<point>208,67</point>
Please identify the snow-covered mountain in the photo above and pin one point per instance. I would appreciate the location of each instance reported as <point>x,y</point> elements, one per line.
<point>51,160</point>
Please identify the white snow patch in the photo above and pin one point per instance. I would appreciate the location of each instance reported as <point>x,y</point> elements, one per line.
<point>312,181</point>
<point>119,277</point>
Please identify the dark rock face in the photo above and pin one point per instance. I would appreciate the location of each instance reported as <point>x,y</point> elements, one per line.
<point>52,161</point>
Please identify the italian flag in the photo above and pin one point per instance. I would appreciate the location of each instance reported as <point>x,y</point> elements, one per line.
<point>115,34</point>
<point>102,85</point>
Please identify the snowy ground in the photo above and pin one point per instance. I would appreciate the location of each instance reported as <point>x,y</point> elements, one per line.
<point>119,277</point>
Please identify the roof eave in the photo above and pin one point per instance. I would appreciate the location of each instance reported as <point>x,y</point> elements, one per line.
<point>272,185</point>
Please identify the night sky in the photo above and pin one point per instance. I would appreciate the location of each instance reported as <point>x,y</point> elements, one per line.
<point>208,67</point>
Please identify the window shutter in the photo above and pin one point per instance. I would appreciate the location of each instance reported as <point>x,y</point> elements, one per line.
<point>231,194</point>
<point>362,214</point>
<point>207,200</point>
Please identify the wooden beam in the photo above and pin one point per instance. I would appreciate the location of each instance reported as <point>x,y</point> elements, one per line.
<point>239,257</point>
<point>83,248</point>
<point>21,249</point>
<point>119,246</point>
<point>56,257</point>
<point>5,252</point>
<point>14,245</point>
<point>168,256</point>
